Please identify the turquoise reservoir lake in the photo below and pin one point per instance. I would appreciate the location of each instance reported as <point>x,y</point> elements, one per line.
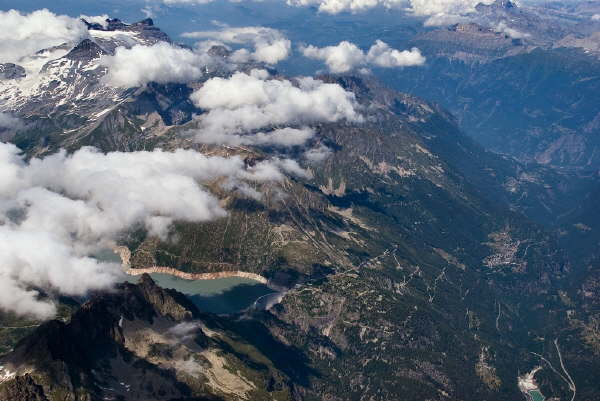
<point>221,296</point>
<point>536,395</point>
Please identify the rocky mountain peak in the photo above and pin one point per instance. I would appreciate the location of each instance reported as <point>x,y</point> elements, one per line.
<point>86,50</point>
<point>97,325</point>
<point>145,22</point>
<point>92,25</point>
<point>497,5</point>
<point>144,27</point>
<point>167,302</point>
<point>11,71</point>
<point>111,24</point>
<point>505,4</point>
<point>114,24</point>
<point>219,51</point>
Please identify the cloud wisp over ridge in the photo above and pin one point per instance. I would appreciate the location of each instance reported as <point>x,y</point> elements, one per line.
<point>270,45</point>
<point>354,6</point>
<point>346,56</point>
<point>168,63</point>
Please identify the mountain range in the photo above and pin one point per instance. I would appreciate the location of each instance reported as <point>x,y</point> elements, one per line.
<point>414,262</point>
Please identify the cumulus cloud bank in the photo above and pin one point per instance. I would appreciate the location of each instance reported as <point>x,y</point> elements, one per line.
<point>347,56</point>
<point>436,7</point>
<point>338,6</point>
<point>439,12</point>
<point>270,46</point>
<point>24,34</point>
<point>161,63</point>
<point>444,12</point>
<point>56,211</point>
<point>244,103</point>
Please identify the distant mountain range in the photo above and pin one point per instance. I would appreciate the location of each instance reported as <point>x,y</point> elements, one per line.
<point>520,81</point>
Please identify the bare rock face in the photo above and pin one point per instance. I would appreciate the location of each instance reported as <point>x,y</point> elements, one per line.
<point>498,4</point>
<point>22,388</point>
<point>97,324</point>
<point>167,302</point>
<point>67,356</point>
<point>470,42</point>
<point>86,50</point>
<point>219,51</point>
<point>145,27</point>
<point>11,71</point>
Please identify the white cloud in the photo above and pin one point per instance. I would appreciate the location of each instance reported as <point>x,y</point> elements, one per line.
<point>338,6</point>
<point>446,19</point>
<point>347,56</point>
<point>511,32</point>
<point>24,34</point>
<point>435,7</point>
<point>381,55</point>
<point>56,211</point>
<point>318,154</point>
<point>270,46</point>
<point>37,259</point>
<point>291,167</point>
<point>341,58</point>
<point>439,12</point>
<point>149,11</point>
<point>444,12</point>
<point>161,63</point>
<point>247,102</point>
<point>185,331</point>
<point>9,122</point>
<point>96,19</point>
<point>596,17</point>
<point>282,137</point>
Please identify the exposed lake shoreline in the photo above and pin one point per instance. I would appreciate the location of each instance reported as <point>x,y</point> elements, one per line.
<point>197,276</point>
<point>125,256</point>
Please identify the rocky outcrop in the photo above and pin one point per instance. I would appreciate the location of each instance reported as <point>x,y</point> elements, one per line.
<point>68,356</point>
<point>498,4</point>
<point>11,71</point>
<point>166,302</point>
<point>97,324</point>
<point>86,50</point>
<point>145,27</point>
<point>22,388</point>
